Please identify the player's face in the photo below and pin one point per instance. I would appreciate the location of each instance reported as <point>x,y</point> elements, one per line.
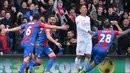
<point>83,10</point>
<point>52,20</point>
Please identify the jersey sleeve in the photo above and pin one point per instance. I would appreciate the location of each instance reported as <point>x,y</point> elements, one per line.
<point>95,34</point>
<point>116,32</point>
<point>41,25</point>
<point>47,30</point>
<point>22,26</point>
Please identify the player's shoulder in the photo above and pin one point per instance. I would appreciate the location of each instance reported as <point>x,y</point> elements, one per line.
<point>78,17</point>
<point>31,22</point>
<point>87,17</point>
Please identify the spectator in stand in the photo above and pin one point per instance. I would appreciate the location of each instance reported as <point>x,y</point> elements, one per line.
<point>129,17</point>
<point>6,6</point>
<point>4,40</point>
<point>72,16</point>
<point>62,18</point>
<point>13,15</point>
<point>7,21</point>
<point>70,43</point>
<point>124,16</point>
<point>46,8</point>
<point>2,14</point>
<point>122,47</point>
<point>112,15</point>
<point>24,8</point>
<point>31,12</point>
<point>95,24</point>
<point>119,4</point>
<point>36,7</point>
<point>100,14</point>
<point>95,3</point>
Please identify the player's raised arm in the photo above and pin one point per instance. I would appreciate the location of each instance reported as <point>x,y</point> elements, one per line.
<point>48,34</point>
<point>14,29</point>
<point>118,27</point>
<point>64,27</point>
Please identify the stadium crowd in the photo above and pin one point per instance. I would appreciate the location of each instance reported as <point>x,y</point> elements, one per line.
<point>16,12</point>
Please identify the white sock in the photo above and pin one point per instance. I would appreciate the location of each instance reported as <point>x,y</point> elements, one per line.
<point>86,62</point>
<point>77,63</point>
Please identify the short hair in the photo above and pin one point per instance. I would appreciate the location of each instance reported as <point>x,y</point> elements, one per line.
<point>81,6</point>
<point>107,24</point>
<point>71,31</point>
<point>36,16</point>
<point>51,16</point>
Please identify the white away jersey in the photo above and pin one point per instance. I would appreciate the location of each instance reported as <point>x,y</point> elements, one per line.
<point>83,26</point>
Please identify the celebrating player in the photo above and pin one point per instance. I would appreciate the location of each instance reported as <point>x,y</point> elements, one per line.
<point>31,31</point>
<point>42,46</point>
<point>105,38</point>
<point>84,41</point>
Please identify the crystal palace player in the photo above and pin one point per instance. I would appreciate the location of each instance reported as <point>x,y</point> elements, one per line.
<point>31,31</point>
<point>42,46</point>
<point>105,38</point>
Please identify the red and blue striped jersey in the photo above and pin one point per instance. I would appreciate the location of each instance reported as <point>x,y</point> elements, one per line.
<point>31,31</point>
<point>42,39</point>
<point>105,38</point>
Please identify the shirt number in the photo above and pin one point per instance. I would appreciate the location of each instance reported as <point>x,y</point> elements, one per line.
<point>105,38</point>
<point>28,31</point>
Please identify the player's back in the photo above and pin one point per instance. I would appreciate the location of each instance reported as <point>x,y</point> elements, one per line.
<point>105,38</point>
<point>31,31</point>
<point>42,38</point>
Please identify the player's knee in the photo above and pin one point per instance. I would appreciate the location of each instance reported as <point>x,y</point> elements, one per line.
<point>38,63</point>
<point>26,59</point>
<point>96,61</point>
<point>25,62</point>
<point>53,56</point>
<point>88,56</point>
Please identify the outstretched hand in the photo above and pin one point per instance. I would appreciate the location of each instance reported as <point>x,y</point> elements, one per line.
<point>65,27</point>
<point>59,45</point>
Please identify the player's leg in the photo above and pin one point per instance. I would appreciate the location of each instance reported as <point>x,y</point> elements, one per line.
<point>27,54</point>
<point>52,56</point>
<point>88,54</point>
<point>39,52</point>
<point>79,53</point>
<point>101,53</point>
<point>30,64</point>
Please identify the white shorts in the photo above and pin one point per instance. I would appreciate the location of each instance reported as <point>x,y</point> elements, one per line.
<point>84,47</point>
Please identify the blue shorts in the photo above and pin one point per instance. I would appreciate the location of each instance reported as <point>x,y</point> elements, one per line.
<point>28,49</point>
<point>98,54</point>
<point>40,50</point>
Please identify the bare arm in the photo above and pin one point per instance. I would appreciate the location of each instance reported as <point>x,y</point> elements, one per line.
<point>14,29</point>
<point>48,34</point>
<point>64,27</point>
<point>118,27</point>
